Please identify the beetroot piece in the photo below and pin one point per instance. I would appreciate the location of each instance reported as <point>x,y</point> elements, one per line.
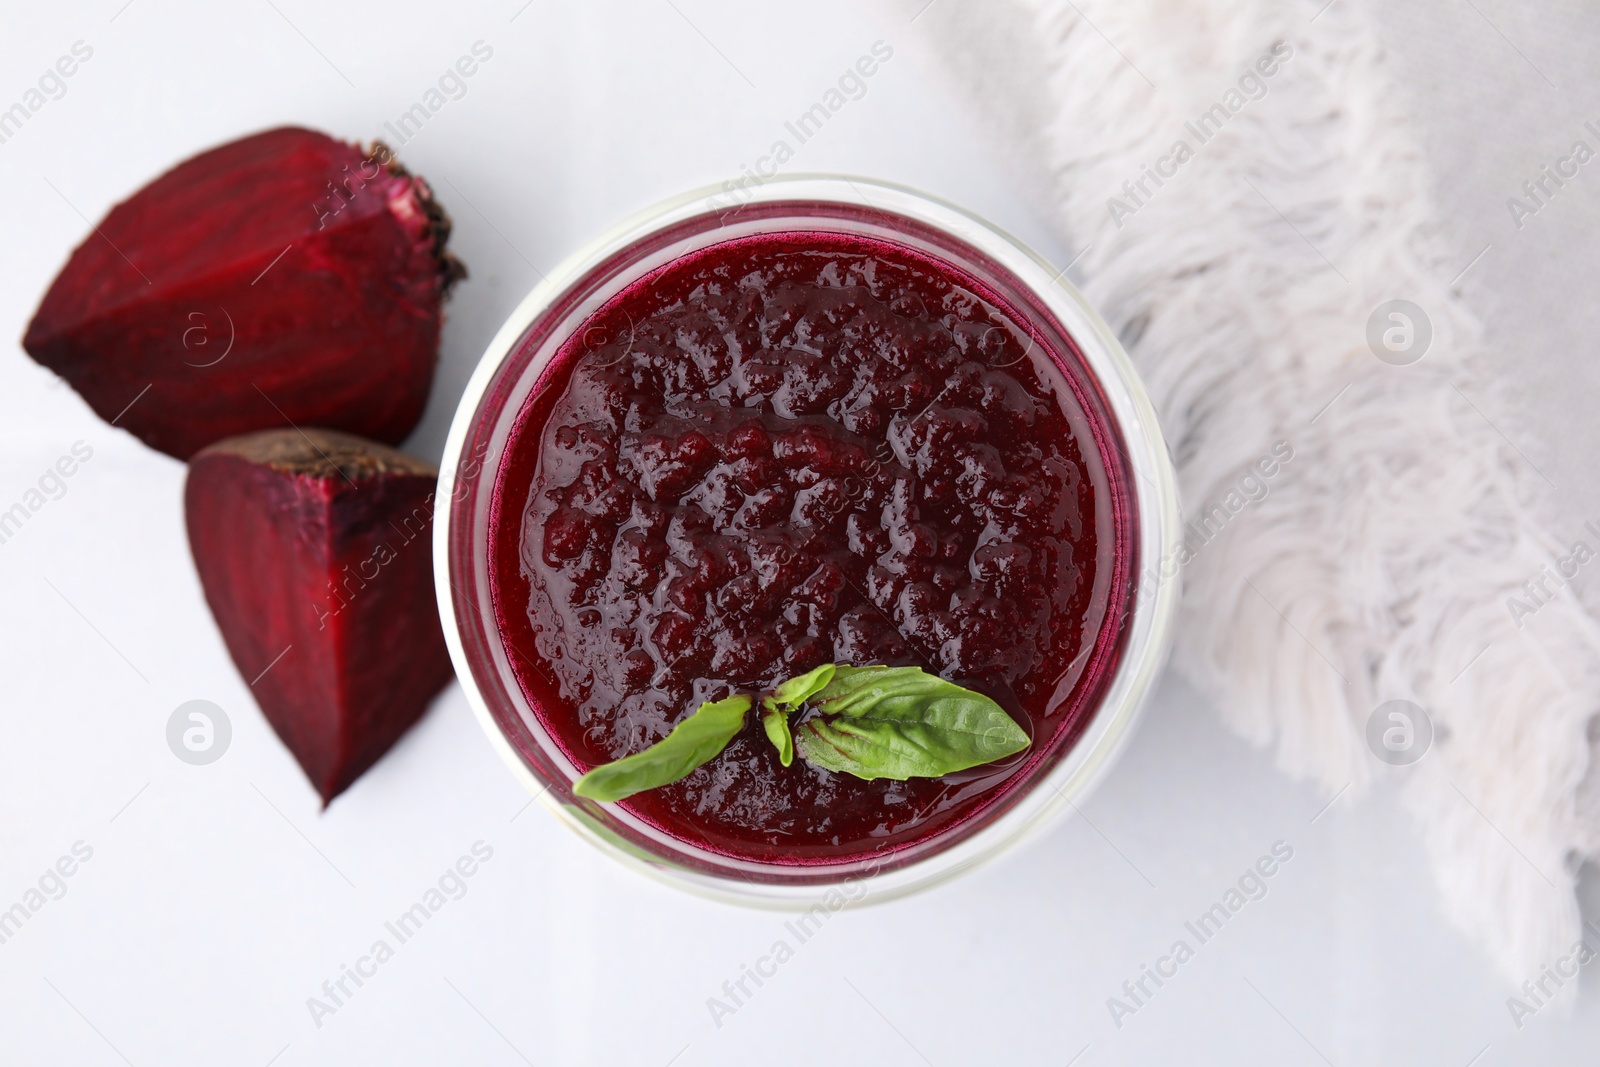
<point>314,551</point>
<point>282,277</point>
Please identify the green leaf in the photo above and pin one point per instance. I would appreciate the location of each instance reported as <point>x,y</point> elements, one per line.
<point>901,722</point>
<point>797,691</point>
<point>787,698</point>
<point>696,740</point>
<point>776,723</point>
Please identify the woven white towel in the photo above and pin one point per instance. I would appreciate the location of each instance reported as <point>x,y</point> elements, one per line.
<point>1246,192</point>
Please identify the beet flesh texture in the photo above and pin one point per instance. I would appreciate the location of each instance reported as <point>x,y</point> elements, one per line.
<point>333,561</point>
<point>342,331</point>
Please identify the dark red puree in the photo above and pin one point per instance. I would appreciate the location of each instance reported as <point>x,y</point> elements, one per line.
<point>796,449</point>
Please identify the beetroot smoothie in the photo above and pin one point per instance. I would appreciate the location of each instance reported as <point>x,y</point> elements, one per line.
<point>804,448</point>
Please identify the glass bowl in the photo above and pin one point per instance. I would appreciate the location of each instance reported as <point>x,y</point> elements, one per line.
<point>514,365</point>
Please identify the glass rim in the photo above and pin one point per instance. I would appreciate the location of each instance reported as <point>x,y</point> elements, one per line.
<point>1044,797</point>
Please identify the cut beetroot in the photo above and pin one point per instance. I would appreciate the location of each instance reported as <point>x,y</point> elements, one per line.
<point>283,277</point>
<point>314,551</point>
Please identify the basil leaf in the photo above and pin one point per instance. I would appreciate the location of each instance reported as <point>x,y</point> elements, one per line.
<point>776,723</point>
<point>785,699</point>
<point>797,691</point>
<point>696,740</point>
<point>901,722</point>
